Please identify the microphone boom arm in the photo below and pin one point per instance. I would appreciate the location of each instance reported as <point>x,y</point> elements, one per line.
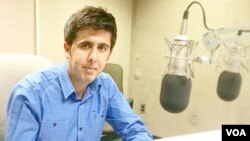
<point>236,40</point>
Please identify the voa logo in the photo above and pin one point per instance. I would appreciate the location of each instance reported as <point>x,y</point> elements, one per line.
<point>236,132</point>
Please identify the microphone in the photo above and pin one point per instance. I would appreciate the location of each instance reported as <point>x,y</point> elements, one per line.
<point>234,56</point>
<point>176,83</point>
<point>175,93</point>
<point>229,82</point>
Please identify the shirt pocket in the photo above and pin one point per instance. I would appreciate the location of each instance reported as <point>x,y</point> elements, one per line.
<point>56,130</point>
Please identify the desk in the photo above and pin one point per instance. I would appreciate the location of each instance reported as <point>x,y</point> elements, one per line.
<point>214,135</point>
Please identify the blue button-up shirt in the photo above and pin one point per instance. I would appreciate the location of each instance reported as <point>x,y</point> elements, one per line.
<point>44,107</point>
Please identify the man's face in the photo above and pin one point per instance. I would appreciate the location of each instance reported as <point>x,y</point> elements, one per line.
<point>88,55</point>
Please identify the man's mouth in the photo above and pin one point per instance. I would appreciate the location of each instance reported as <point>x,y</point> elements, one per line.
<point>90,68</point>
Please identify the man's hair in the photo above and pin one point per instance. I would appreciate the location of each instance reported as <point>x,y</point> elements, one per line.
<point>89,16</point>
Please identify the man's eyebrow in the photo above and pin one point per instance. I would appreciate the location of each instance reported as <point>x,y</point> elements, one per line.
<point>83,41</point>
<point>104,44</point>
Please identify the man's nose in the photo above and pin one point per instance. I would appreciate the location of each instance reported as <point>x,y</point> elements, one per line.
<point>93,55</point>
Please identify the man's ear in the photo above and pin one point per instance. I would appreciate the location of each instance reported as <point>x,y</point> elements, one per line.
<point>66,50</point>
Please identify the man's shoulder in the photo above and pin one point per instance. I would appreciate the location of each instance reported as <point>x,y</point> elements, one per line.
<point>39,77</point>
<point>38,83</point>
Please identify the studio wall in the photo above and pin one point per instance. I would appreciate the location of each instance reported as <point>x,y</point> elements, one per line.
<point>17,24</point>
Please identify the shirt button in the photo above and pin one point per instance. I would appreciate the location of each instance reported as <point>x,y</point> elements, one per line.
<point>80,128</point>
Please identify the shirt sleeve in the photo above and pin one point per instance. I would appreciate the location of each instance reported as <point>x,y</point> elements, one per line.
<point>124,121</point>
<point>22,117</point>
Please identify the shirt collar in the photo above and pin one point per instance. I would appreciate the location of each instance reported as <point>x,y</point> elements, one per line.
<point>67,87</point>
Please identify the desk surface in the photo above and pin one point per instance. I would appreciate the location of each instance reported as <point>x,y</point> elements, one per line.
<point>214,135</point>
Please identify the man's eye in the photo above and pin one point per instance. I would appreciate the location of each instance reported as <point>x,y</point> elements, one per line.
<point>103,48</point>
<point>84,46</point>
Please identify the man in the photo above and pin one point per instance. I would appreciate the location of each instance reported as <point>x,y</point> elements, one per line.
<point>72,100</point>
